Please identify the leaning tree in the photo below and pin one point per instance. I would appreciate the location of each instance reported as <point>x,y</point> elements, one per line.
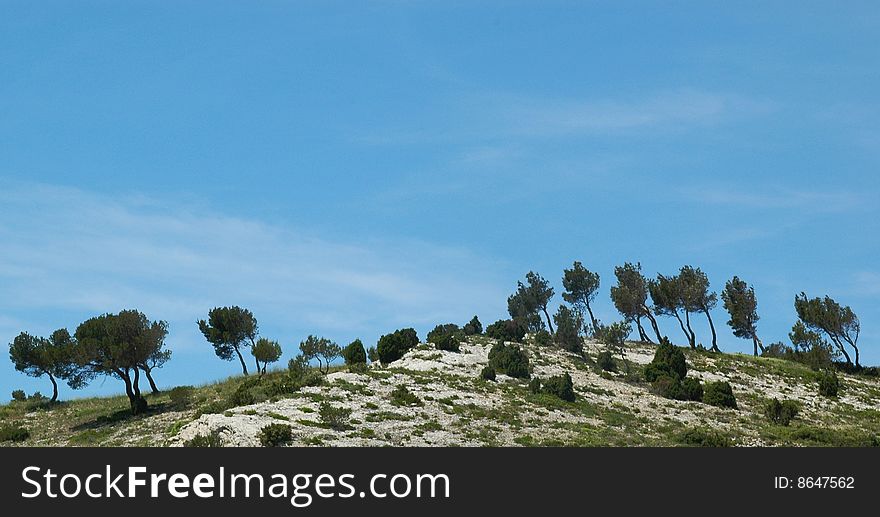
<point>666,296</point>
<point>697,297</point>
<point>838,322</point>
<point>630,297</point>
<point>530,298</point>
<point>38,356</point>
<point>581,286</point>
<point>742,305</point>
<point>117,345</point>
<point>229,329</point>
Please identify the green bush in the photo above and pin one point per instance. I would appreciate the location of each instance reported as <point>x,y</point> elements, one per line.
<point>781,413</point>
<point>605,361</point>
<point>668,387</point>
<point>336,418</point>
<point>372,354</point>
<point>692,389</point>
<point>301,374</point>
<point>702,437</point>
<point>543,338</point>
<point>535,386</point>
<point>488,374</point>
<point>719,394</point>
<point>19,395</point>
<point>510,360</point>
<point>668,360</point>
<point>209,440</point>
<point>360,368</point>
<point>243,394</point>
<point>354,353</point>
<point>829,383</point>
<point>441,331</point>
<point>13,433</point>
<point>401,396</point>
<point>448,343</point>
<point>473,327</point>
<point>506,330</point>
<point>391,347</point>
<point>274,435</point>
<point>181,396</point>
<point>560,386</point>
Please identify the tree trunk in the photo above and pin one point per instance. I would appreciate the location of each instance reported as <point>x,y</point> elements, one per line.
<point>153,387</point>
<point>137,403</point>
<point>681,324</point>
<point>54,388</point>
<point>548,319</point>
<point>135,386</point>
<point>593,320</point>
<point>758,344</point>
<point>643,336</point>
<point>653,321</point>
<point>712,326</point>
<point>858,366</point>
<point>241,360</point>
<point>692,337</point>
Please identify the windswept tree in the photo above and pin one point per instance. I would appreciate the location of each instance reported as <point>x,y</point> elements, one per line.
<point>116,345</point>
<point>37,356</point>
<point>321,349</point>
<point>229,329</point>
<point>568,325</point>
<point>265,351</point>
<point>529,299</point>
<point>742,305</point>
<point>838,322</point>
<point>697,297</point>
<point>630,297</point>
<point>666,296</point>
<point>158,331</point>
<point>581,286</point>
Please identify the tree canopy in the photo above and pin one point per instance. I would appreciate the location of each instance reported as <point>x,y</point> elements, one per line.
<point>581,286</point>
<point>37,356</point>
<point>838,322</point>
<point>265,351</point>
<point>229,329</point>
<point>742,306</point>
<point>630,297</point>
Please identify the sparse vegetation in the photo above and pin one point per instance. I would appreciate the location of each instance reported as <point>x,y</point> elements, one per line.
<point>401,396</point>
<point>336,418</point>
<point>275,435</point>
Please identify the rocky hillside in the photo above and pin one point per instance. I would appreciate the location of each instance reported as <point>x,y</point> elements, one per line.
<point>453,406</point>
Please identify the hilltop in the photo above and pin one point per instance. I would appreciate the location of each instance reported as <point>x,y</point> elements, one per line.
<point>453,406</point>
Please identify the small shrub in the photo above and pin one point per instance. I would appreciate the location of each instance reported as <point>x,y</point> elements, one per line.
<point>243,396</point>
<point>181,396</point>
<point>274,435</point>
<point>13,433</point>
<point>441,331</point>
<point>510,360</point>
<point>301,374</point>
<point>354,353</point>
<point>473,327</point>
<point>336,418</point>
<point>719,394</point>
<point>535,386</point>
<point>702,437</point>
<point>781,413</point>
<point>668,387</point>
<point>829,383</point>
<point>488,374</point>
<point>209,440</point>
<point>19,395</point>
<point>560,386</point>
<point>692,389</point>
<point>605,361</point>
<point>391,347</point>
<point>543,338</point>
<point>360,368</point>
<point>401,396</point>
<point>668,360</point>
<point>506,330</point>
<point>448,343</point>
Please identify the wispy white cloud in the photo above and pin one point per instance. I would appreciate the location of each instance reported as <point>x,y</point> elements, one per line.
<point>73,251</point>
<point>764,197</point>
<point>490,116</point>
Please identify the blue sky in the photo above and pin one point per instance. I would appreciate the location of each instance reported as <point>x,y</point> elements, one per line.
<point>349,169</point>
